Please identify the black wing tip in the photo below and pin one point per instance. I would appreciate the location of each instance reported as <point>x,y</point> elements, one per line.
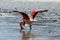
<point>15,11</point>
<point>45,10</point>
<point>18,11</point>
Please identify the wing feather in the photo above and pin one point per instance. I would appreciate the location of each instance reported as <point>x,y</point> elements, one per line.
<point>35,12</point>
<point>25,16</point>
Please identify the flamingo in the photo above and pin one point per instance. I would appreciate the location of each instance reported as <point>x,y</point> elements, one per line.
<point>29,19</point>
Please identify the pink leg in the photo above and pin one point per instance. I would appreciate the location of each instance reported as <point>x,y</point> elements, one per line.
<point>22,24</point>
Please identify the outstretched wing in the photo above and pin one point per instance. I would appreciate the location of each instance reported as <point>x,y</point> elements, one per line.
<point>25,16</point>
<point>34,13</point>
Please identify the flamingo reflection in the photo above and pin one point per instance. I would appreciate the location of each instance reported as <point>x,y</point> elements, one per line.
<point>26,35</point>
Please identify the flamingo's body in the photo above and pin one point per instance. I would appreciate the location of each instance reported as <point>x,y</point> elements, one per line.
<point>29,19</point>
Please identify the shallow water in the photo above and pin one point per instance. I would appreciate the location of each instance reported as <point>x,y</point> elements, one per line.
<point>38,32</point>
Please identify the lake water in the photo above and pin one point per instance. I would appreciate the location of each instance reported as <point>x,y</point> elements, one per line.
<point>46,28</point>
<point>45,31</point>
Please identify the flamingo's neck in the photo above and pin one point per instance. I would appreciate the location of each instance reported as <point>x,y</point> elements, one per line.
<point>32,19</point>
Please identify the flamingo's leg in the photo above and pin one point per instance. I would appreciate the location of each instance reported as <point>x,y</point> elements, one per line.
<point>22,28</point>
<point>22,24</point>
<point>30,27</point>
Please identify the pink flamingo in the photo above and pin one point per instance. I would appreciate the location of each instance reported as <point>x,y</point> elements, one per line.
<point>29,19</point>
